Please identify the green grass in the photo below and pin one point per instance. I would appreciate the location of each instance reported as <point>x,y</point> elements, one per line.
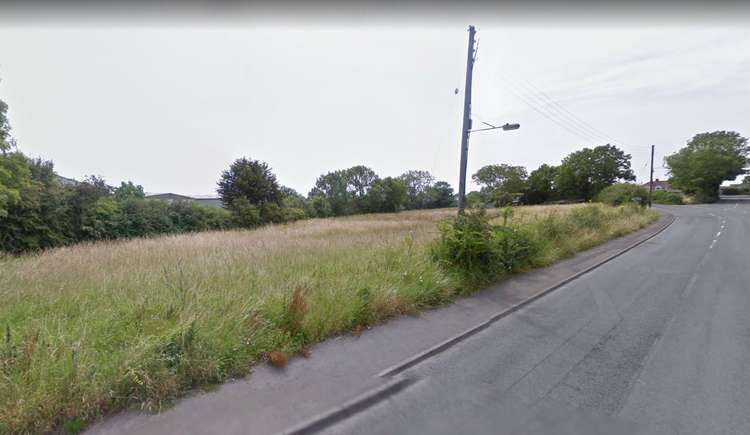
<point>97,327</point>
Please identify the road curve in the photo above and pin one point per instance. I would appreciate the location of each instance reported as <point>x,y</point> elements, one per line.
<point>655,341</point>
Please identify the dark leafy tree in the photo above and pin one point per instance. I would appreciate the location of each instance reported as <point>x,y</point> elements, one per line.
<point>333,186</point>
<point>708,160</point>
<point>540,186</point>
<point>475,199</point>
<point>294,206</point>
<point>129,191</point>
<point>417,185</point>
<point>359,179</point>
<point>6,141</point>
<point>249,179</point>
<point>248,188</point>
<point>501,184</point>
<point>440,195</point>
<point>386,195</point>
<point>585,173</point>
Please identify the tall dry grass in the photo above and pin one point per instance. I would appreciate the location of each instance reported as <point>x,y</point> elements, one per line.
<point>95,327</point>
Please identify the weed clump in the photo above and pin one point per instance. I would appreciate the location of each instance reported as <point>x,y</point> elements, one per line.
<point>480,251</point>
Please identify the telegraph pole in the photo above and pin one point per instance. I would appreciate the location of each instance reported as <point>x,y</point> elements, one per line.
<point>467,122</point>
<point>651,180</point>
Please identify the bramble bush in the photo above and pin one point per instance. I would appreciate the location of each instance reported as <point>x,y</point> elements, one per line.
<point>622,193</point>
<point>479,251</point>
<point>662,197</point>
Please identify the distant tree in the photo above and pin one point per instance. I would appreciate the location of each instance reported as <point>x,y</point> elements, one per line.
<point>359,179</point>
<point>439,195</point>
<point>417,184</point>
<point>15,175</point>
<point>318,206</point>
<point>585,173</point>
<point>38,219</point>
<point>475,199</point>
<point>88,212</point>
<point>129,191</point>
<point>706,161</point>
<point>386,195</point>
<point>249,187</point>
<point>294,206</point>
<point>249,179</point>
<point>14,172</point>
<point>540,186</point>
<point>333,187</point>
<point>501,183</point>
<point>6,141</point>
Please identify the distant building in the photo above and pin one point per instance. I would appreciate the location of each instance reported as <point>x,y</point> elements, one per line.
<point>208,200</point>
<point>661,185</point>
<point>65,181</point>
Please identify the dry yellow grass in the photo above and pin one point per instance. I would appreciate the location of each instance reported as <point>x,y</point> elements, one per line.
<point>93,327</point>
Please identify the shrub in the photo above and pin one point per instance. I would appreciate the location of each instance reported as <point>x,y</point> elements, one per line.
<point>622,193</point>
<point>479,251</point>
<point>588,216</point>
<point>662,197</point>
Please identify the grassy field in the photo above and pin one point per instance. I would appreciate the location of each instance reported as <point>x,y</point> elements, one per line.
<point>96,327</point>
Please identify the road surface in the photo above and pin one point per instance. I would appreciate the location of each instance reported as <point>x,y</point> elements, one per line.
<point>655,341</point>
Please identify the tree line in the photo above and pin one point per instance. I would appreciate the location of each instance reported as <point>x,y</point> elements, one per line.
<point>251,192</point>
<point>579,177</point>
<point>698,169</point>
<point>37,211</point>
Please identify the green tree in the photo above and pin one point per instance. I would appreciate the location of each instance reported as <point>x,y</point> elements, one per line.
<point>706,161</point>
<point>585,173</point>
<point>417,185</point>
<point>294,206</point>
<point>439,195</point>
<point>87,211</point>
<point>15,176</point>
<point>359,179</point>
<point>540,187</point>
<point>39,219</point>
<point>333,186</point>
<point>6,141</point>
<point>501,183</point>
<point>129,191</point>
<point>386,195</point>
<point>249,187</point>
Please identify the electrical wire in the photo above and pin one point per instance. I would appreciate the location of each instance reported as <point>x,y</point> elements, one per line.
<point>563,111</point>
<point>538,105</point>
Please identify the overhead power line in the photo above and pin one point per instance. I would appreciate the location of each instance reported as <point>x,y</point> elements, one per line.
<point>565,112</point>
<point>541,111</point>
<point>543,104</point>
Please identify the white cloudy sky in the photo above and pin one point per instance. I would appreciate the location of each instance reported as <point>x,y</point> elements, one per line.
<point>171,105</point>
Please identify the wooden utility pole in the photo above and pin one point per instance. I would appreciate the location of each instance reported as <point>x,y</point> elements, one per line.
<point>466,123</point>
<point>651,179</point>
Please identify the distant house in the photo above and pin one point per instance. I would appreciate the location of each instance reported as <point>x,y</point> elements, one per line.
<point>661,185</point>
<point>208,200</point>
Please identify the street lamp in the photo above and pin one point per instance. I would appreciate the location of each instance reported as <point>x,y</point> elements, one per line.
<point>505,127</point>
<point>464,156</point>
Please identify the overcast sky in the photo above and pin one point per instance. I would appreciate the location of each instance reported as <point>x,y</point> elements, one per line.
<point>169,106</point>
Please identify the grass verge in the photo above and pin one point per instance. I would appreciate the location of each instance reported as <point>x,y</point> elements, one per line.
<point>93,328</point>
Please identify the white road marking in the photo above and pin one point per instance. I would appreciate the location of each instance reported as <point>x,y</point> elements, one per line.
<point>712,244</point>
<point>718,234</point>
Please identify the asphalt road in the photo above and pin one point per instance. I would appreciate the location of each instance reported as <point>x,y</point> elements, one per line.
<point>655,341</point>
